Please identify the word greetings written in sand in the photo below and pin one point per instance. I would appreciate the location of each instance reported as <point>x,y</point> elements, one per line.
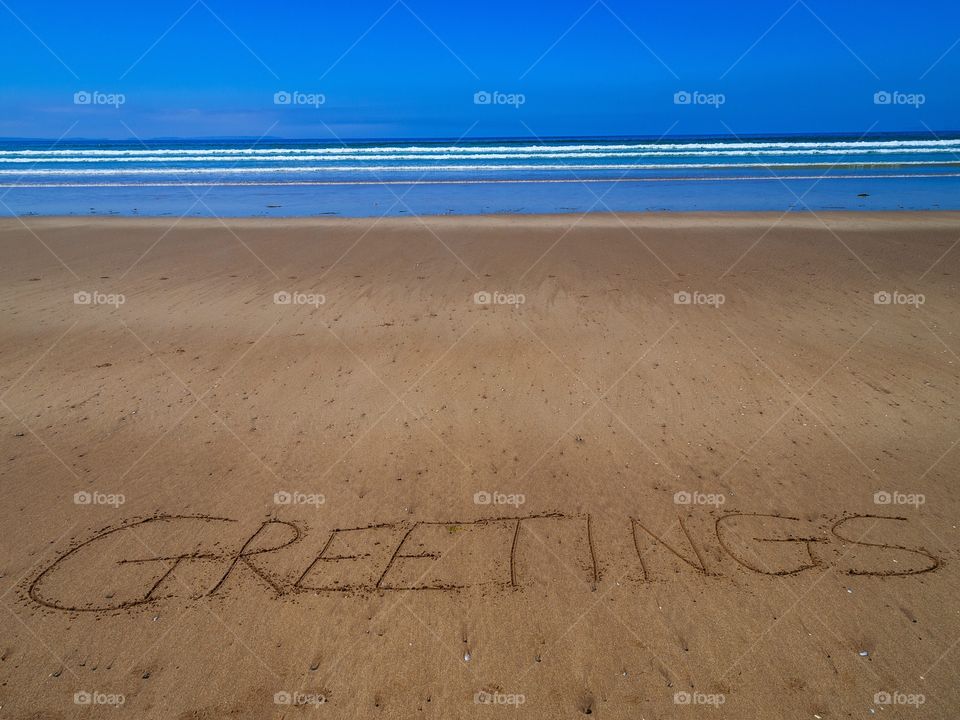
<point>162,557</point>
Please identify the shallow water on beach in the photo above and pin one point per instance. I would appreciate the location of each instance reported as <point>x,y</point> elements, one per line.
<point>283,178</point>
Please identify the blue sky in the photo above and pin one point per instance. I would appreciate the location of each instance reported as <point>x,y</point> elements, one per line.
<point>411,68</point>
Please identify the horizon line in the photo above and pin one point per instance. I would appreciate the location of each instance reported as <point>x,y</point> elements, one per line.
<point>934,134</point>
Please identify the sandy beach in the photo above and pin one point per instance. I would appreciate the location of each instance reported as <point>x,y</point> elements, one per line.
<point>644,466</point>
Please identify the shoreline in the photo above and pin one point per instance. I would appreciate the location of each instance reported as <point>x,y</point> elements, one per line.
<point>638,216</point>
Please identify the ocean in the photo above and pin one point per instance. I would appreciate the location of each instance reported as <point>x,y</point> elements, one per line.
<point>272,177</point>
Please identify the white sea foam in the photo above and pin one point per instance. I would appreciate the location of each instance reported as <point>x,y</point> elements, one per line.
<point>222,171</point>
<point>473,156</point>
<point>472,149</point>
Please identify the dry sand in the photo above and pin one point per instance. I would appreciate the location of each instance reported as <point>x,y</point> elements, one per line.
<point>174,468</point>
